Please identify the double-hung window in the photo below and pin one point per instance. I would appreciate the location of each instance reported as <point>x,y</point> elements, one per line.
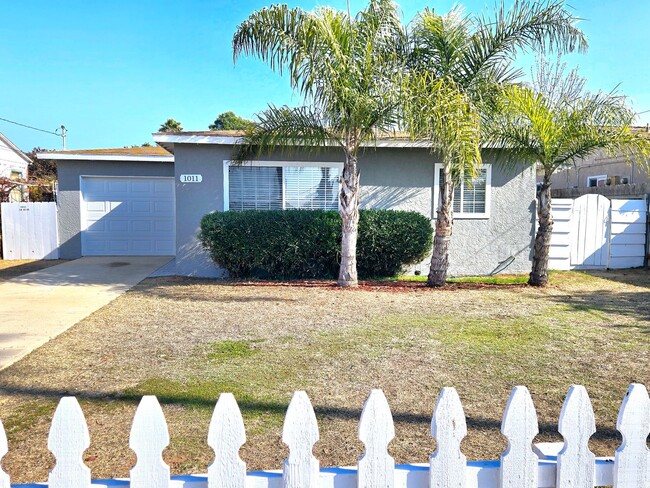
<point>274,185</point>
<point>471,197</point>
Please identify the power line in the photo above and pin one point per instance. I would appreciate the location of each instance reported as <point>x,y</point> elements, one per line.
<point>30,127</point>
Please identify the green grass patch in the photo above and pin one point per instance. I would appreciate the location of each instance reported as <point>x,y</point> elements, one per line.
<point>228,349</point>
<point>27,415</point>
<point>488,280</point>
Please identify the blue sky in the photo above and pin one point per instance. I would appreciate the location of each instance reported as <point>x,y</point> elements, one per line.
<point>112,72</point>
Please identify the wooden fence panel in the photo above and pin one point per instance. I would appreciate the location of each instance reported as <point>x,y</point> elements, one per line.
<point>627,248</point>
<point>300,433</point>
<point>68,440</point>
<point>148,438</point>
<point>632,459</point>
<point>519,461</point>
<point>376,430</point>
<point>448,428</point>
<point>29,231</point>
<point>575,462</point>
<point>226,436</point>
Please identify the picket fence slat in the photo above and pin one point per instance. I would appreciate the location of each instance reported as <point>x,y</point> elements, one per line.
<point>68,440</point>
<point>632,459</point>
<point>148,438</point>
<point>226,436</point>
<point>519,426</point>
<point>300,433</point>
<point>448,428</point>
<point>5,482</point>
<point>376,430</point>
<point>575,462</point>
<point>564,464</point>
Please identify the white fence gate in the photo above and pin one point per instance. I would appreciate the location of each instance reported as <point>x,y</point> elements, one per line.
<point>522,465</point>
<point>592,232</point>
<point>29,231</point>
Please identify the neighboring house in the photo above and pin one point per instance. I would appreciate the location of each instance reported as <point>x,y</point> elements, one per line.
<point>13,165</point>
<point>146,201</point>
<point>605,175</point>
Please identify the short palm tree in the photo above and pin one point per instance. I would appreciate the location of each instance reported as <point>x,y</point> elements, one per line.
<point>171,125</point>
<point>458,63</point>
<point>551,125</point>
<point>345,68</point>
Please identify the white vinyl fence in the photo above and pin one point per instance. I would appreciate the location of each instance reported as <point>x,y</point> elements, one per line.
<point>522,465</point>
<point>593,232</point>
<point>29,231</point>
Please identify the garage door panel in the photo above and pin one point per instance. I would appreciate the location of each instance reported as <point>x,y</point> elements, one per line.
<point>128,216</point>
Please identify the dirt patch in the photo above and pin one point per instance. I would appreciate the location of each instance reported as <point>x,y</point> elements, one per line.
<point>187,340</point>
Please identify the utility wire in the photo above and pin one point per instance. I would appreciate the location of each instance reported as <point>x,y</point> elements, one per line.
<point>30,127</point>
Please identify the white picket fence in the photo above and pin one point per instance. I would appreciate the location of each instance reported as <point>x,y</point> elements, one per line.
<point>29,230</point>
<point>522,465</point>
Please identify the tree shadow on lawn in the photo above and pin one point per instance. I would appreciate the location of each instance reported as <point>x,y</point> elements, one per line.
<point>629,304</point>
<point>259,408</point>
<point>636,276</point>
<point>197,289</point>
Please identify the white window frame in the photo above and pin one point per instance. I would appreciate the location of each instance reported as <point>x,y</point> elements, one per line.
<point>283,164</point>
<point>598,178</point>
<point>464,215</point>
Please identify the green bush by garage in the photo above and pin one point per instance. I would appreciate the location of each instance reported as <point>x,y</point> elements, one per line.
<point>297,244</point>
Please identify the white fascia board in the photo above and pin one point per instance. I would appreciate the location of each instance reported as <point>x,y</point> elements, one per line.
<point>232,140</point>
<point>105,157</point>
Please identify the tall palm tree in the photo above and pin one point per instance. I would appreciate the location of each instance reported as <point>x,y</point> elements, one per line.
<point>470,58</point>
<point>551,125</point>
<point>345,68</point>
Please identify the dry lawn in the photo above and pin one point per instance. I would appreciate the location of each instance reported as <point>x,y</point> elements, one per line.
<point>11,269</point>
<point>186,340</point>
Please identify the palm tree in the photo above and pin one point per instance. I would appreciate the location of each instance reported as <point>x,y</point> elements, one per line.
<point>469,58</point>
<point>171,125</point>
<point>345,68</point>
<point>551,125</point>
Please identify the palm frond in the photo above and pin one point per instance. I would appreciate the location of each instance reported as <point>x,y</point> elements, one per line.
<point>284,128</point>
<point>438,111</point>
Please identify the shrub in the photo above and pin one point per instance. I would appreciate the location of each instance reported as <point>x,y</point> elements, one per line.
<point>306,243</point>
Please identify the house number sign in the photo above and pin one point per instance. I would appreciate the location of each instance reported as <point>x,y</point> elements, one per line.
<point>191,178</point>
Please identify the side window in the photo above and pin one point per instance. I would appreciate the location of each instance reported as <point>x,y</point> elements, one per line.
<point>471,197</point>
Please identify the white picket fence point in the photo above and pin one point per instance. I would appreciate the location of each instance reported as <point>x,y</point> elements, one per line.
<point>522,465</point>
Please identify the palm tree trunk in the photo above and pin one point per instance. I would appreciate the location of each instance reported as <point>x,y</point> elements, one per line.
<point>349,211</point>
<point>440,255</point>
<point>539,274</point>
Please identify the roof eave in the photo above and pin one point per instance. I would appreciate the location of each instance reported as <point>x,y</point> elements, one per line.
<point>104,157</point>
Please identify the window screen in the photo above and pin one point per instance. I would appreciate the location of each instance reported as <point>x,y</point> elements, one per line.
<point>288,187</point>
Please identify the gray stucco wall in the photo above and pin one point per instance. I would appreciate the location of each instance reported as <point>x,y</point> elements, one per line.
<point>390,178</point>
<point>69,197</point>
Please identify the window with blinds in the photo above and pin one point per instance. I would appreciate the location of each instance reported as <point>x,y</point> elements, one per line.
<point>471,198</point>
<point>283,187</point>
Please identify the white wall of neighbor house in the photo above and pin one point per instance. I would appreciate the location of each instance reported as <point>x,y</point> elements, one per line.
<point>12,164</point>
<point>391,178</point>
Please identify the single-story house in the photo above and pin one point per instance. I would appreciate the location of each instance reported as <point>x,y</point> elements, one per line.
<point>150,200</point>
<point>14,164</point>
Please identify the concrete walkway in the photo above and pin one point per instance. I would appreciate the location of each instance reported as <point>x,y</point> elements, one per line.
<point>38,306</point>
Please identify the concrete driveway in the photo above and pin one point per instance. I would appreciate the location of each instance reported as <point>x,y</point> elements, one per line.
<point>38,306</point>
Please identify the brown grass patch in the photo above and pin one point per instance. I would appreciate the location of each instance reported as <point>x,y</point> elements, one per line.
<point>187,340</point>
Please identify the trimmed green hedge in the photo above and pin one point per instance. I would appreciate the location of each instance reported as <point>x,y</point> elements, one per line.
<point>306,243</point>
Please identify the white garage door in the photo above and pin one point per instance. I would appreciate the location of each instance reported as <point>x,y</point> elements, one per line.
<point>127,216</point>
